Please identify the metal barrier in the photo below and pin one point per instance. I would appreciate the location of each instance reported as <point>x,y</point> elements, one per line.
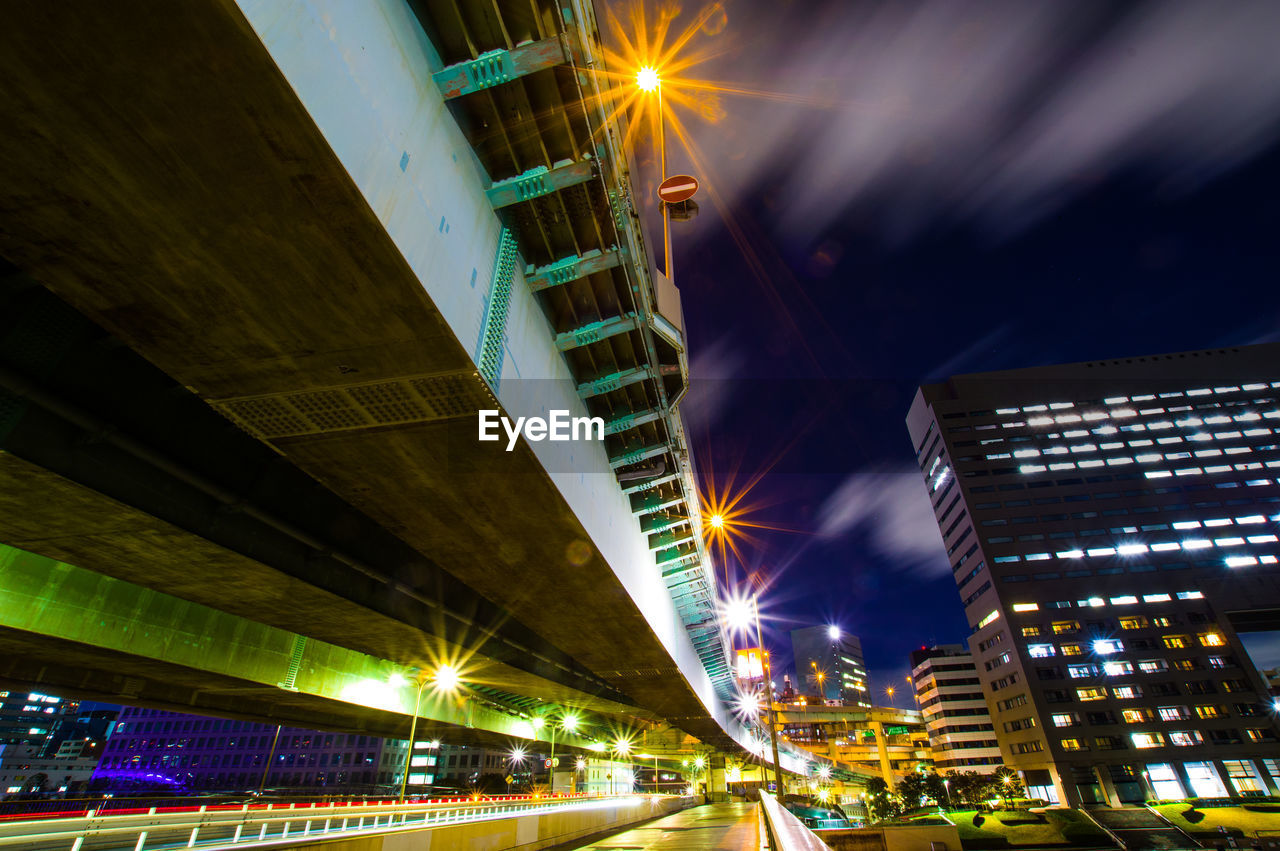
<point>245,826</point>
<point>783,831</point>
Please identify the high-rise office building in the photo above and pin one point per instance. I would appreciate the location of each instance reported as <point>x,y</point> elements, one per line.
<point>829,661</point>
<point>49,745</point>
<point>155,749</point>
<point>1112,526</point>
<point>954,708</point>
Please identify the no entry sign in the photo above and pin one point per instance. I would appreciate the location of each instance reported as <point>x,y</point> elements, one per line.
<point>680,187</point>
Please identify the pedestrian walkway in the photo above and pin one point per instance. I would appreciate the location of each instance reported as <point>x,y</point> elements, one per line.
<point>711,827</point>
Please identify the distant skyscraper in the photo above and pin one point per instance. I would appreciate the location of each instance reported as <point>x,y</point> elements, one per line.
<point>1111,527</point>
<point>830,661</point>
<point>950,697</point>
<point>151,748</point>
<point>49,745</point>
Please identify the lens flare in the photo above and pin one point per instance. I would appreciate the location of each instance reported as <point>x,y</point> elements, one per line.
<point>647,79</point>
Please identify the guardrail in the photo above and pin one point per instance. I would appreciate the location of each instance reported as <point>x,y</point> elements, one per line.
<point>245,826</point>
<point>783,831</point>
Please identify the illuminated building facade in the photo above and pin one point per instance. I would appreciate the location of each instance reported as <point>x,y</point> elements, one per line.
<point>1112,526</point>
<point>949,694</point>
<point>154,749</point>
<point>49,745</point>
<point>829,661</point>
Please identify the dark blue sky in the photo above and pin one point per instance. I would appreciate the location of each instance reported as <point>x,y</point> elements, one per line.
<point>951,243</point>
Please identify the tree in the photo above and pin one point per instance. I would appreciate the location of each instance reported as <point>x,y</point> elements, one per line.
<point>969,787</point>
<point>881,803</point>
<point>911,790</point>
<point>1007,784</point>
<point>935,788</point>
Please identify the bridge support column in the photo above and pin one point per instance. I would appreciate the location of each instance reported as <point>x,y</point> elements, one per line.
<point>717,783</point>
<point>882,748</point>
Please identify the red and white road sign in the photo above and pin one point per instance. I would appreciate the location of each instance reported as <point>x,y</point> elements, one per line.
<point>677,188</point>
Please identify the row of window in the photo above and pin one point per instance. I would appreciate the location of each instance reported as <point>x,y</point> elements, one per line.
<point>1087,694</point>
<point>1129,494</point>
<point>1098,602</point>
<point>1175,738</point>
<point>1089,447</point>
<point>1108,646</point>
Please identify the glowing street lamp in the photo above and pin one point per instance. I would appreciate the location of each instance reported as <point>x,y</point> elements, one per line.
<point>647,79</point>
<point>446,679</point>
<point>716,521</point>
<point>739,612</point>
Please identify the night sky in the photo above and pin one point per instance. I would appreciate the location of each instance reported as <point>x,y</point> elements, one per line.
<point>946,188</point>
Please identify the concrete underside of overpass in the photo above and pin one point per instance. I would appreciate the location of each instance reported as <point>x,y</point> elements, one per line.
<point>162,178</point>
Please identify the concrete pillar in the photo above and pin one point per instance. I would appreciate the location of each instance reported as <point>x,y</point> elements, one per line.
<point>1109,795</point>
<point>1185,779</point>
<point>717,783</point>
<point>1225,778</point>
<point>882,746</point>
<point>1269,781</point>
<point>1067,795</point>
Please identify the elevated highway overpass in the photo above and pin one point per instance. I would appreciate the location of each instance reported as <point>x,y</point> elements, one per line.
<point>264,263</point>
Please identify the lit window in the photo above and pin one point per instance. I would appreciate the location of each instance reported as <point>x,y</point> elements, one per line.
<point>1190,595</point>
<point>1185,738</point>
<point>1146,740</point>
<point>1030,631</point>
<point>1040,651</point>
<point>1074,745</point>
<point>1152,666</point>
<point>1126,600</point>
<point>1127,692</point>
<point>1088,694</point>
<point>990,618</point>
<point>1071,650</point>
<point>1211,639</point>
<point>1134,716</point>
<point>1066,719</point>
<point>1025,607</point>
<point>1176,642</point>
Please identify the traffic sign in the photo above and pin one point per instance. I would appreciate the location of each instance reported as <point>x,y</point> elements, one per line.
<point>677,188</point>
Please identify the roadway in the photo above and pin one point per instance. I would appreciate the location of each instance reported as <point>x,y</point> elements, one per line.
<point>249,825</point>
<point>704,828</point>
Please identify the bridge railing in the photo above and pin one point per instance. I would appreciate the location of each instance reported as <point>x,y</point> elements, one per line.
<point>783,831</point>
<point>248,825</point>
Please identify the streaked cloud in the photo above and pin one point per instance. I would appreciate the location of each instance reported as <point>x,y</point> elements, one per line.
<point>891,509</point>
<point>996,113</point>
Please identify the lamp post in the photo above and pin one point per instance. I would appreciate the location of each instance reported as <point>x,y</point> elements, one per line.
<point>413,732</point>
<point>768,695</point>
<point>648,80</point>
<point>739,617</point>
<point>446,679</point>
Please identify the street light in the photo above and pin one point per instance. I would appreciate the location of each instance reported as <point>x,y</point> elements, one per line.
<point>648,80</point>
<point>739,613</point>
<point>447,679</point>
